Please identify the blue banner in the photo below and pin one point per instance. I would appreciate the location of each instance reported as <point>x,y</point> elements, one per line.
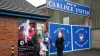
<point>81,37</point>
<point>67,6</point>
<point>66,31</point>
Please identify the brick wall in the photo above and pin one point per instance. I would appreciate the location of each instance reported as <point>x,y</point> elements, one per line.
<point>8,36</point>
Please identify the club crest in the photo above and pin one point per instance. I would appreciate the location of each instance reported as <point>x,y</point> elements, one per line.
<point>81,37</point>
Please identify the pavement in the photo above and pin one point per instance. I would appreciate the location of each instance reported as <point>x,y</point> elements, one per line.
<point>89,52</point>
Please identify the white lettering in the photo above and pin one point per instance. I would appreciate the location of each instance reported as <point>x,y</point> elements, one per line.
<point>88,12</point>
<point>70,4</point>
<point>67,8</point>
<point>76,9</point>
<point>54,5</point>
<point>82,11</point>
<point>58,5</point>
<point>50,3</point>
<point>71,8</point>
<point>85,12</point>
<point>62,6</point>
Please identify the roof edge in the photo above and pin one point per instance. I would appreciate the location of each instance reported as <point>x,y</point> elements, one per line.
<point>22,14</point>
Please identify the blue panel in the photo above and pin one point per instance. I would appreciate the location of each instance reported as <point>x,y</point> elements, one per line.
<point>66,30</point>
<point>67,6</point>
<point>81,37</point>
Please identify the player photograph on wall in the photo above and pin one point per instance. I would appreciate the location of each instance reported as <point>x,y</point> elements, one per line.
<point>29,34</point>
<point>26,31</point>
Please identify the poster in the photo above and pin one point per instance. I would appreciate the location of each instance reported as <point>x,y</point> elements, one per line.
<point>66,31</point>
<point>29,32</point>
<point>40,27</point>
<point>25,32</point>
<point>81,37</point>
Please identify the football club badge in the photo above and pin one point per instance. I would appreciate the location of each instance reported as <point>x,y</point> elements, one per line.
<point>81,37</point>
<point>21,42</point>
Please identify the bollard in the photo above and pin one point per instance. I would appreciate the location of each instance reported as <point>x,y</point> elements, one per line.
<point>12,50</point>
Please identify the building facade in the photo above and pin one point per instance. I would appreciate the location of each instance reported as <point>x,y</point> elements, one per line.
<point>18,22</point>
<point>73,19</point>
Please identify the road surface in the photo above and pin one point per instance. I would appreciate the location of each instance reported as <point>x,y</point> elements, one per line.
<point>91,52</point>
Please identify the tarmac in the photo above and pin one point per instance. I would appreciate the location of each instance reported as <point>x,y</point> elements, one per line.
<point>89,52</point>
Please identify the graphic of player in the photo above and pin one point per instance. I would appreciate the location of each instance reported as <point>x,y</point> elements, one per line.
<point>27,31</point>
